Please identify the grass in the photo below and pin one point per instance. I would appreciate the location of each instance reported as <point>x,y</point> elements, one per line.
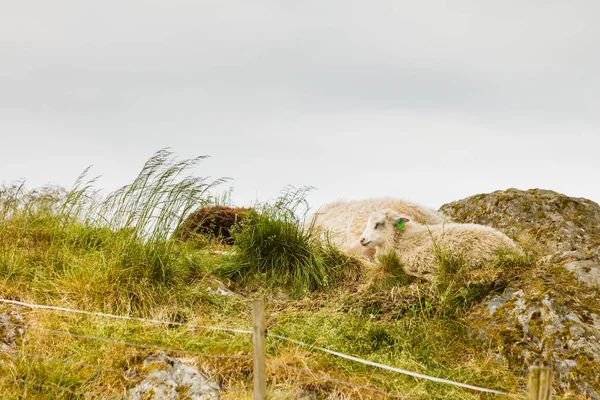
<point>79,249</point>
<point>457,286</point>
<point>276,248</point>
<point>393,266</point>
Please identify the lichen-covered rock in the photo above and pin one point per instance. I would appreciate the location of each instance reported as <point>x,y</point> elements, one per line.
<point>535,328</point>
<point>9,333</point>
<point>550,315</point>
<point>546,221</point>
<point>587,271</point>
<point>170,379</point>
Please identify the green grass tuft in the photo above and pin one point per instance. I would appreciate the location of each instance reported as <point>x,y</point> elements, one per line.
<point>460,285</point>
<point>511,260</point>
<point>275,247</point>
<point>393,266</point>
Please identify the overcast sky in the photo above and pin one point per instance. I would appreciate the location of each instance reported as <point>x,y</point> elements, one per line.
<point>430,101</point>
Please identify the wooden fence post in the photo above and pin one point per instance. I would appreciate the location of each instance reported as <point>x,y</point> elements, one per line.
<point>540,383</point>
<point>258,347</point>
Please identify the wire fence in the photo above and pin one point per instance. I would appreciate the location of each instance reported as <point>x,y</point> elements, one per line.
<point>99,368</point>
<point>394,369</point>
<point>339,382</point>
<point>130,344</point>
<point>123,317</point>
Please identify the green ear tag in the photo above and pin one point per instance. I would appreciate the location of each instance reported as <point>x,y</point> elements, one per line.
<point>400,224</point>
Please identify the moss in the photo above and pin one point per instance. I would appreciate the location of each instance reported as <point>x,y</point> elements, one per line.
<point>155,366</point>
<point>536,325</point>
<point>510,341</point>
<point>589,369</point>
<point>183,390</point>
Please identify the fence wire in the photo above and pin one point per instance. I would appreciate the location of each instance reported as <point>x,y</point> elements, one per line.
<point>222,356</point>
<point>97,368</point>
<point>394,369</point>
<point>131,344</point>
<point>123,317</point>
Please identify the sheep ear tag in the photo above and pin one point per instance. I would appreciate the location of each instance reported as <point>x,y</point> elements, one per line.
<point>400,224</point>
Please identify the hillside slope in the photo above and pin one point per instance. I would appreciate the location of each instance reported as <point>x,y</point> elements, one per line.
<point>482,326</point>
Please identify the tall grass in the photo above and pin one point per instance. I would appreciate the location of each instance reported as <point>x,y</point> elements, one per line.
<point>154,204</point>
<point>456,286</point>
<point>278,247</point>
<point>159,198</point>
<point>113,249</point>
<point>18,201</point>
<point>394,267</point>
<point>459,284</point>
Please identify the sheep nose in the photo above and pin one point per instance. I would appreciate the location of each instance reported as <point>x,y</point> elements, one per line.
<point>362,240</point>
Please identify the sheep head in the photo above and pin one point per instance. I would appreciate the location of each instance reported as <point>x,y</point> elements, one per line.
<point>381,227</point>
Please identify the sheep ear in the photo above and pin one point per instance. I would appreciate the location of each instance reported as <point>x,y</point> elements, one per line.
<point>400,222</point>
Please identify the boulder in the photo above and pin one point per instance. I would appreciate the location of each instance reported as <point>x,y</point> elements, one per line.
<point>550,314</point>
<point>169,379</point>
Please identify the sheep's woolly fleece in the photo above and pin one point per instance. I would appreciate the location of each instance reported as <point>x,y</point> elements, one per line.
<point>416,244</point>
<point>344,221</point>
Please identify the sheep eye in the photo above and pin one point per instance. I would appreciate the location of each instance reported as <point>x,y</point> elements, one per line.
<point>379,224</point>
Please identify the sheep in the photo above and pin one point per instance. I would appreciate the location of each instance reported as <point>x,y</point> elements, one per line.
<point>416,245</point>
<point>345,220</point>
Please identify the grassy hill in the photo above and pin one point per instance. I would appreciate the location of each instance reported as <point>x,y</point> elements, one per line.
<point>114,254</point>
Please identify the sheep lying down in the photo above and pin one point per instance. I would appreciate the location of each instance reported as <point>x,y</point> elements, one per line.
<point>345,220</point>
<point>416,245</point>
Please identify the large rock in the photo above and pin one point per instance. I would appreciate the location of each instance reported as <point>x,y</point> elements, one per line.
<point>10,332</point>
<point>551,314</point>
<point>546,221</point>
<point>170,379</point>
<point>538,326</point>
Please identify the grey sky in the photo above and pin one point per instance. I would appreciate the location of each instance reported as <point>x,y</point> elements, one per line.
<point>430,101</point>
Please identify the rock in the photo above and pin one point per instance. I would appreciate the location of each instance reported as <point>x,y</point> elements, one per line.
<point>532,330</point>
<point>545,221</point>
<point>9,333</point>
<point>168,378</point>
<point>217,287</point>
<point>550,314</point>
<point>222,290</point>
<point>572,255</point>
<point>587,272</point>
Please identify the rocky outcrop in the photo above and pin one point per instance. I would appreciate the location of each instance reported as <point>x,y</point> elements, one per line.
<point>169,379</point>
<point>547,222</point>
<point>551,314</point>
<point>537,327</point>
<point>10,332</point>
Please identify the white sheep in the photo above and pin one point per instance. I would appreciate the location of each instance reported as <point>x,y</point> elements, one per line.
<point>416,244</point>
<point>344,221</point>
